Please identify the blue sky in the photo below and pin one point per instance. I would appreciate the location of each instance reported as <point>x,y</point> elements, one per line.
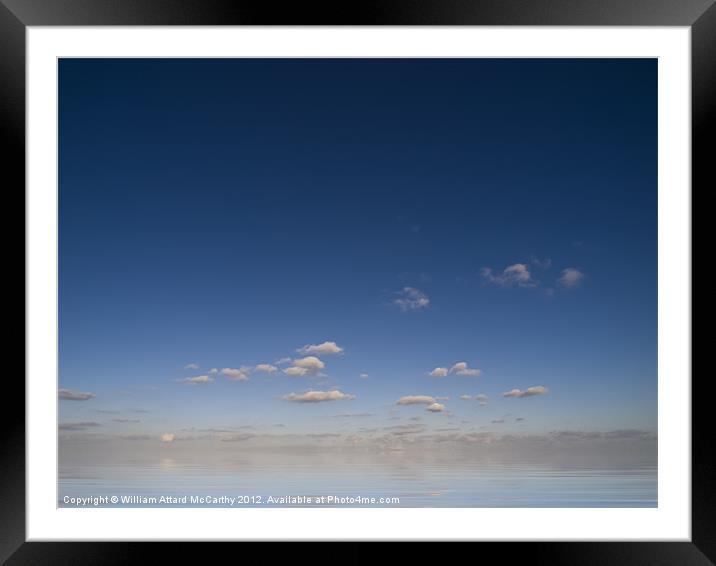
<point>417,213</point>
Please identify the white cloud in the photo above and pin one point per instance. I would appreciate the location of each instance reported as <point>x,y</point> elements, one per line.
<point>416,400</point>
<point>469,372</point>
<point>436,408</point>
<point>517,274</point>
<point>461,368</point>
<point>570,277</point>
<point>167,437</point>
<point>282,361</point>
<point>237,374</point>
<point>311,364</point>
<point>191,366</point>
<point>323,349</point>
<point>213,370</point>
<point>266,368</point>
<point>529,392</point>
<point>481,398</point>
<point>72,395</point>
<point>438,372</point>
<point>294,371</point>
<point>410,299</point>
<point>199,379</point>
<point>318,396</point>
<point>364,376</point>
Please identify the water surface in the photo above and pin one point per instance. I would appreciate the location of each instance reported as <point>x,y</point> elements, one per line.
<point>417,478</point>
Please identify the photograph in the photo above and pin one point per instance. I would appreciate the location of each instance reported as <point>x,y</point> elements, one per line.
<point>382,282</point>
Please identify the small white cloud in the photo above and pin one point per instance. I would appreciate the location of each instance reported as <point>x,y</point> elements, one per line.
<point>461,368</point>
<point>191,366</point>
<point>266,368</point>
<point>570,277</point>
<point>416,400</point>
<point>237,374</point>
<point>517,274</point>
<point>438,372</point>
<point>311,364</point>
<point>72,395</point>
<point>213,370</point>
<point>318,396</point>
<point>529,392</point>
<point>481,399</point>
<point>282,361</point>
<point>436,408</point>
<point>323,349</point>
<point>410,299</point>
<point>364,376</point>
<point>466,397</point>
<point>197,380</point>
<point>167,437</point>
<point>294,371</point>
<point>542,263</point>
<point>469,372</point>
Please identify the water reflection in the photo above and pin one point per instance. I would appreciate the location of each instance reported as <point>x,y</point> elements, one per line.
<point>419,478</point>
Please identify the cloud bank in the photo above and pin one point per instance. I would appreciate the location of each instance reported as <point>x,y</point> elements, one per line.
<point>78,426</point>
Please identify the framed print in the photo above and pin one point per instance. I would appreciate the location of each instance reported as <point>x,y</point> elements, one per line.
<point>413,274</point>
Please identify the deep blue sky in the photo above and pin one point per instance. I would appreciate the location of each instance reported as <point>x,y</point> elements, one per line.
<point>226,212</point>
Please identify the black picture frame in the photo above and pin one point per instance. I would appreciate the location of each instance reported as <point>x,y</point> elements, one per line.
<point>16,15</point>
